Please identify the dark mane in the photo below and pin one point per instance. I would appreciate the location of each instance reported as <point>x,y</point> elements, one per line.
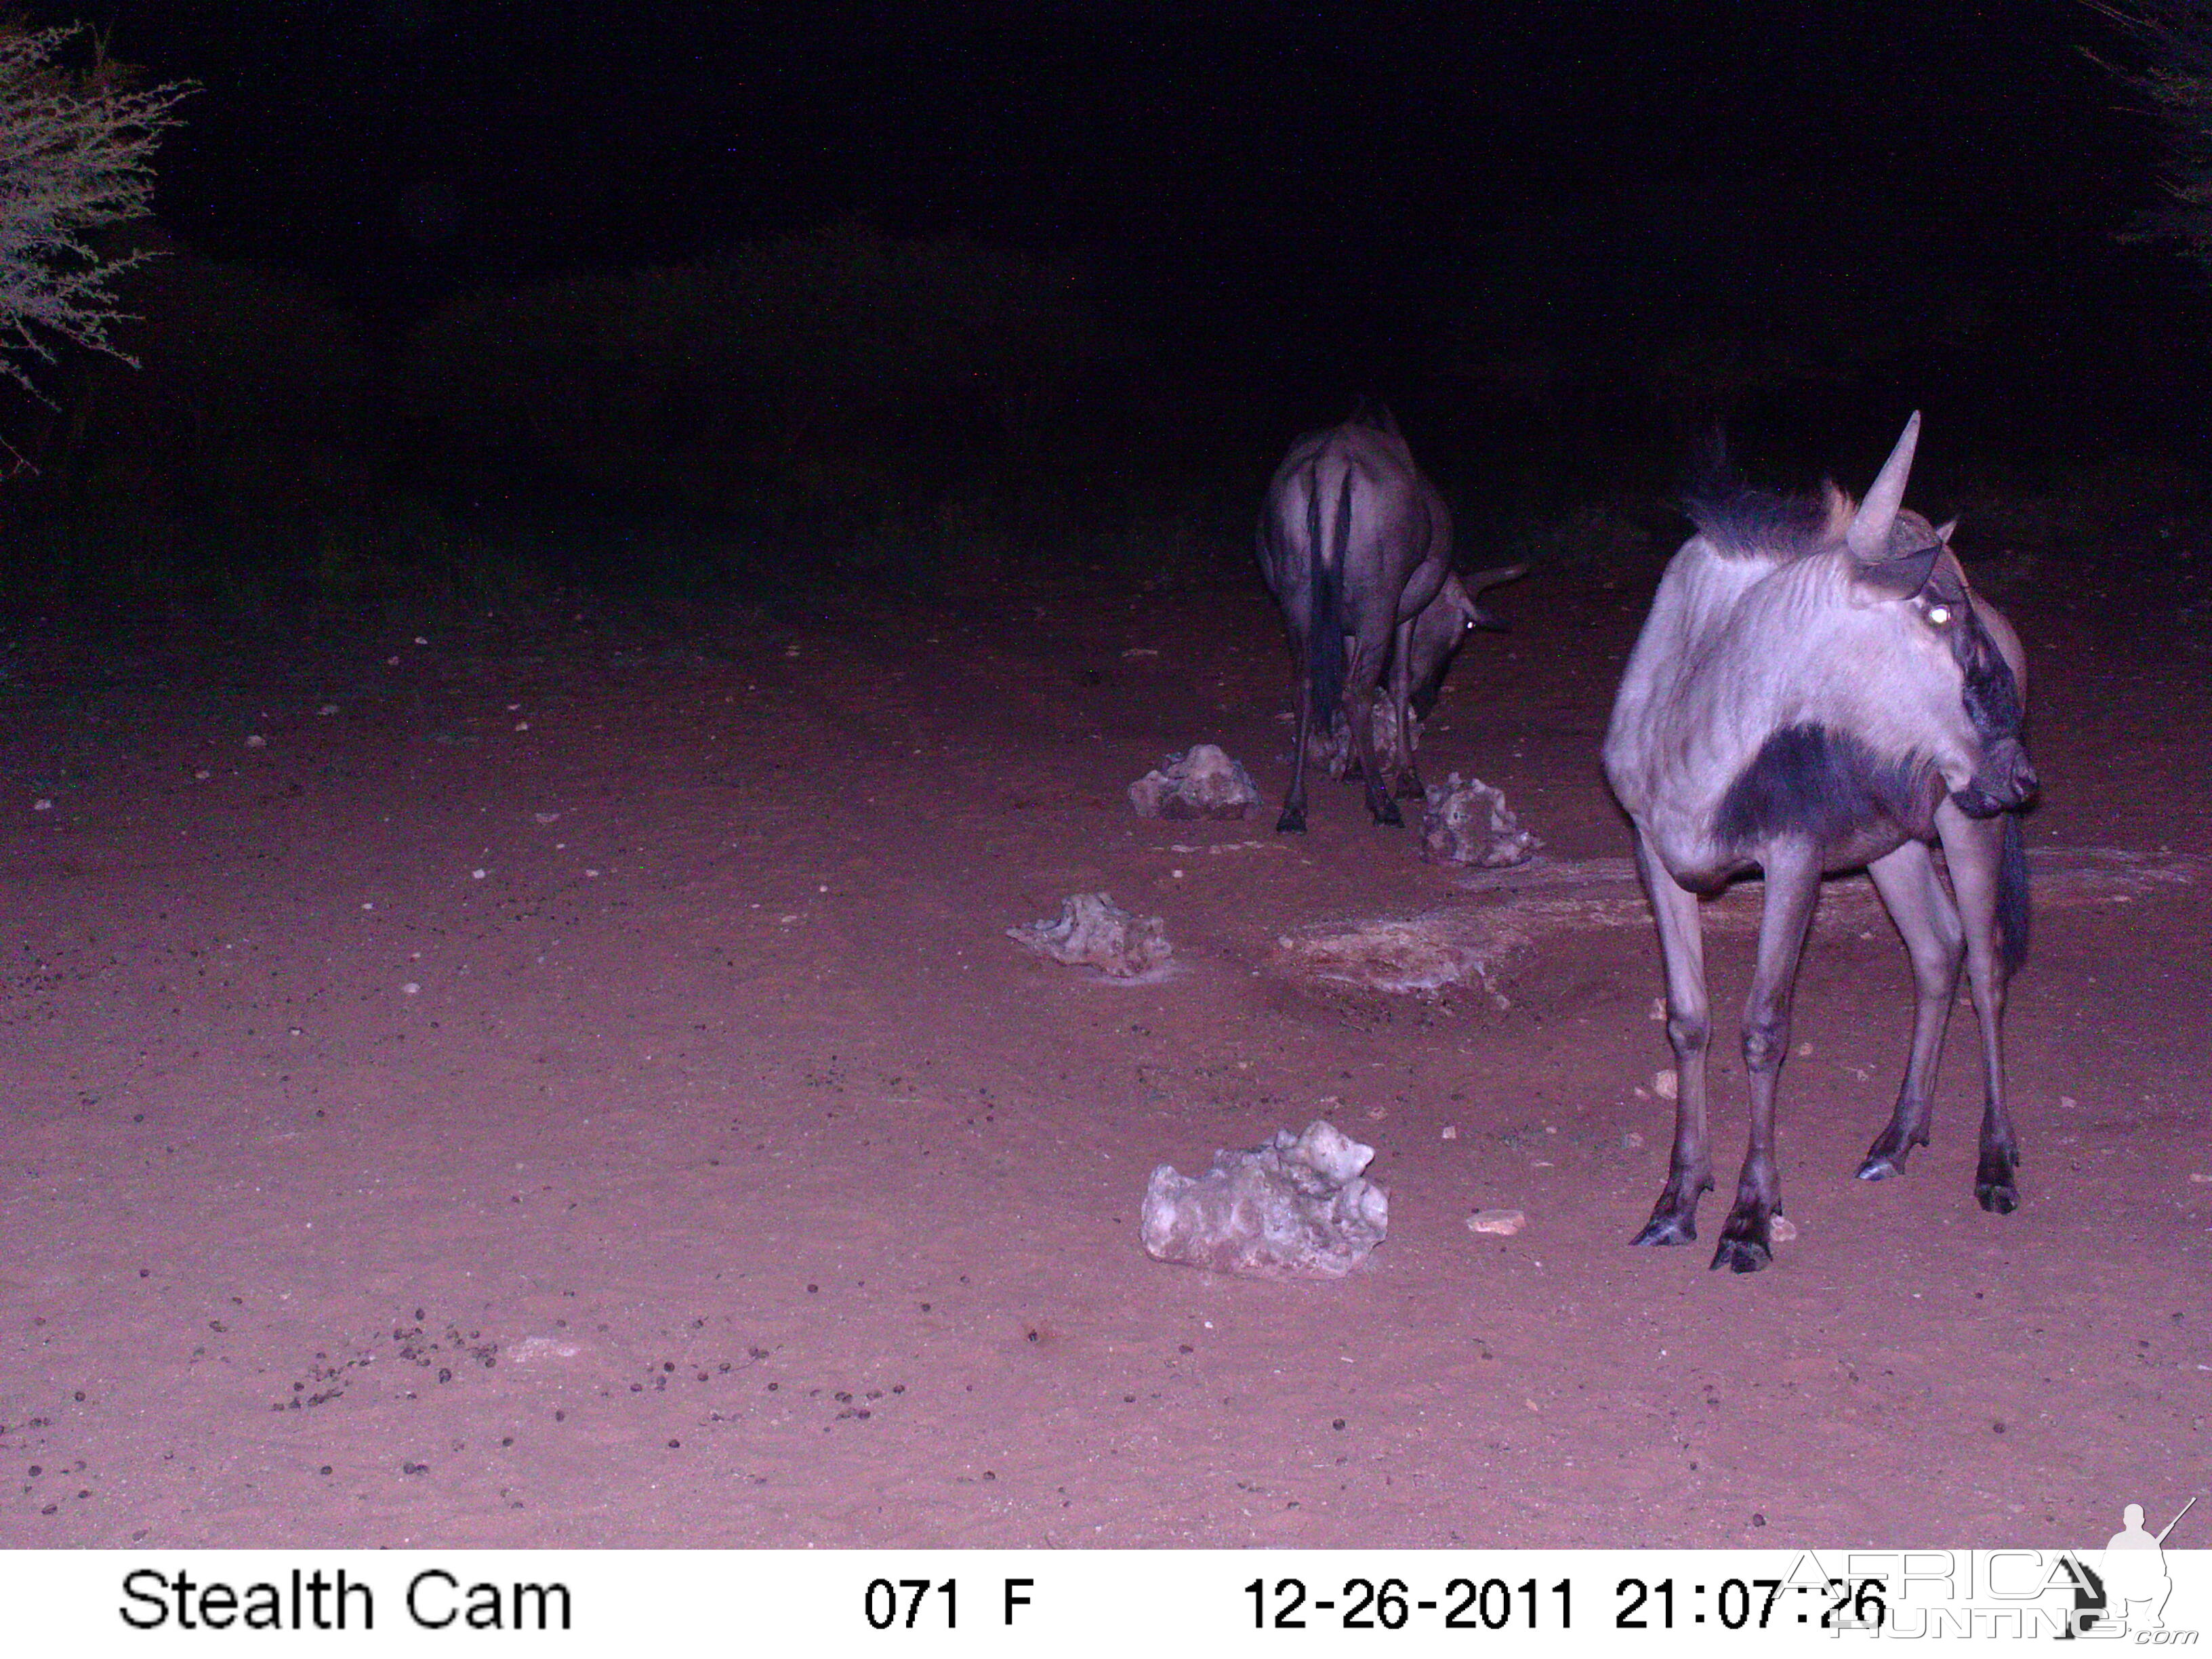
<point>1740,519</point>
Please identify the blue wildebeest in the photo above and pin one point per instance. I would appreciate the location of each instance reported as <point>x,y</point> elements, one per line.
<point>1355,546</point>
<point>1816,690</point>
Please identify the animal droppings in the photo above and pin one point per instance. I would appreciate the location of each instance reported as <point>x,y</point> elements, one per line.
<point>1094,932</point>
<point>1296,1204</point>
<point>1202,782</point>
<point>1507,1222</point>
<point>1469,823</point>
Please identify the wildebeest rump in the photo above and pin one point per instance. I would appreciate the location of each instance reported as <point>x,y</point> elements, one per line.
<point>1355,546</point>
<point>1816,690</point>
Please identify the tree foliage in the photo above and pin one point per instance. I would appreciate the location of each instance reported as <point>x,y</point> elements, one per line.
<point>76,149</point>
<point>2175,38</point>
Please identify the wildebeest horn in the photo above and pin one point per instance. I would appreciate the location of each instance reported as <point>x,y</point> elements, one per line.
<point>1868,536</point>
<point>1478,613</point>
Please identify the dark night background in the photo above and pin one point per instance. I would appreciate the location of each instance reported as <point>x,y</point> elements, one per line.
<point>466,297</point>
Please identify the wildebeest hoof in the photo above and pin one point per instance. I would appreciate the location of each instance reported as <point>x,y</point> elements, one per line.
<point>1669,1230</point>
<point>1741,1252</point>
<point>1886,1158</point>
<point>1290,823</point>
<point>1998,1197</point>
<point>1389,813</point>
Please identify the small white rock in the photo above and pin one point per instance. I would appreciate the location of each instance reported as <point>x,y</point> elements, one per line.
<point>1451,1131</point>
<point>42,806</point>
<point>532,1349</point>
<point>328,708</point>
<point>546,817</point>
<point>410,989</point>
<point>1662,1084</point>
<point>256,741</point>
<point>1497,1221</point>
<point>1781,1229</point>
<point>476,875</point>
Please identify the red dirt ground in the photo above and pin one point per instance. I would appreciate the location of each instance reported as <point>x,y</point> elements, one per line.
<point>572,1088</point>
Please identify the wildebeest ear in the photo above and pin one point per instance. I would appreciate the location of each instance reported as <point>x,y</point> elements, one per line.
<point>1943,530</point>
<point>1868,536</point>
<point>1896,579</point>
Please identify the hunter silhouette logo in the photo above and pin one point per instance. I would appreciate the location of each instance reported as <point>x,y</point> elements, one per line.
<point>2135,1581</point>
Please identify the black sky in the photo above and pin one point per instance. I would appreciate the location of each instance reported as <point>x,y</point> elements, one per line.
<point>1275,175</point>
<point>380,134</point>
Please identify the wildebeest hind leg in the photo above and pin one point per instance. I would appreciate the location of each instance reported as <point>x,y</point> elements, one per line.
<point>1294,818</point>
<point>1929,926</point>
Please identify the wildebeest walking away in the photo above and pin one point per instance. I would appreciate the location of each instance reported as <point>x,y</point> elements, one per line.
<point>1355,546</point>
<point>1816,690</point>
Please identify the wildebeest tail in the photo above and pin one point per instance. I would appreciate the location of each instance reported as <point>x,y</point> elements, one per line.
<point>1325,617</point>
<point>2012,896</point>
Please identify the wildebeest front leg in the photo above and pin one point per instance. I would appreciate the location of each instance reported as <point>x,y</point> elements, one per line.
<point>1929,923</point>
<point>1407,779</point>
<point>1973,849</point>
<point>1682,952</point>
<point>1363,671</point>
<point>1793,884</point>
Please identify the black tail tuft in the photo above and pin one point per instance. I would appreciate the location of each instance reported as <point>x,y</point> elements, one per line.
<point>1325,618</point>
<point>2012,896</point>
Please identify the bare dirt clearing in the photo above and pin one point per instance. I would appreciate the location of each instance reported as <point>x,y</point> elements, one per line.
<point>576,1090</point>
